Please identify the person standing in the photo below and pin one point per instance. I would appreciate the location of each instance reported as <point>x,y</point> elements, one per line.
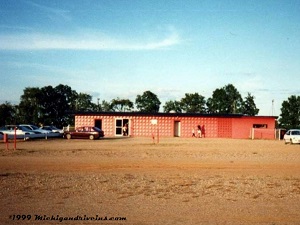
<point>199,131</point>
<point>124,130</point>
<point>203,131</point>
<point>193,133</point>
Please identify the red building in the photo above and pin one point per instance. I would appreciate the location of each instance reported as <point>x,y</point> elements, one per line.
<point>179,124</point>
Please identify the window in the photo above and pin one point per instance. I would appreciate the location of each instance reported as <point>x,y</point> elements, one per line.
<point>260,126</point>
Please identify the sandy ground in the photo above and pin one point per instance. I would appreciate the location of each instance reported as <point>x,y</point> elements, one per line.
<point>178,181</point>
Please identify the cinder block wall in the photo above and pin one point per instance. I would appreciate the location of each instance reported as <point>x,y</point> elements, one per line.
<point>212,127</point>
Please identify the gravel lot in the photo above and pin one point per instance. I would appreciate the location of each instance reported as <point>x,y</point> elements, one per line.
<point>178,181</point>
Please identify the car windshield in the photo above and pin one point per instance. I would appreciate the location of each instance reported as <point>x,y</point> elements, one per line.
<point>10,127</point>
<point>34,127</point>
<point>23,128</point>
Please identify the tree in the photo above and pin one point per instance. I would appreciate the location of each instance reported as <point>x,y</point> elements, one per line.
<point>121,105</point>
<point>290,113</point>
<point>217,103</point>
<point>29,107</point>
<point>106,106</point>
<point>66,103</point>
<point>172,106</point>
<point>48,105</point>
<point>48,99</point>
<point>84,102</point>
<point>248,106</point>
<point>147,102</point>
<point>193,103</point>
<point>7,114</point>
<point>225,100</point>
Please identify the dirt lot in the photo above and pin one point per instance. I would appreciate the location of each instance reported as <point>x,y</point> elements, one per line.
<point>178,181</point>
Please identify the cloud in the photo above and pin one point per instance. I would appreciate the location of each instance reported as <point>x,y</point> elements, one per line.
<point>23,28</point>
<point>96,42</point>
<point>52,13</point>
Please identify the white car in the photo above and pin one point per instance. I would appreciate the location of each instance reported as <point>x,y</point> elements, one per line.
<point>10,130</point>
<point>53,129</point>
<point>292,136</point>
<point>35,128</point>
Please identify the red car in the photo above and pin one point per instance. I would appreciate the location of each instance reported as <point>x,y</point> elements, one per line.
<point>85,132</point>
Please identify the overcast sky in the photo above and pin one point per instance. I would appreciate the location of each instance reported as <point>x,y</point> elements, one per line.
<point>121,48</point>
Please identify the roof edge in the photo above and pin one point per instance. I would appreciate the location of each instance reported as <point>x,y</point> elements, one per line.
<point>168,114</point>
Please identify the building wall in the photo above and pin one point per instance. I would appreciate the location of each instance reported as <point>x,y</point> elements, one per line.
<point>242,127</point>
<point>212,127</point>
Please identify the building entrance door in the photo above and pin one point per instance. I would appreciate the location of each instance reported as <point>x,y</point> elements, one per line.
<point>98,123</point>
<point>122,127</point>
<point>176,128</point>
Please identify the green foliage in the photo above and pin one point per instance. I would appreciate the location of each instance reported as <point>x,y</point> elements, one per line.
<point>84,103</point>
<point>54,105</point>
<point>30,108</point>
<point>172,106</point>
<point>48,105</point>
<point>147,102</point>
<point>7,114</point>
<point>121,105</point>
<point>106,106</point>
<point>225,100</point>
<point>215,103</point>
<point>290,113</point>
<point>249,106</point>
<point>193,103</point>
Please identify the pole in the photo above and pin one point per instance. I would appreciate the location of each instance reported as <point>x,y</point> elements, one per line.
<point>15,139</point>
<point>157,135</point>
<point>5,140</point>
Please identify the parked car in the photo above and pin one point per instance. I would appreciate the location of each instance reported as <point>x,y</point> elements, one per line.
<point>35,128</point>
<point>53,129</point>
<point>85,132</point>
<point>292,136</point>
<point>10,129</point>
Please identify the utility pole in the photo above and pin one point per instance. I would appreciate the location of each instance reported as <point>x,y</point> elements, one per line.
<point>98,100</point>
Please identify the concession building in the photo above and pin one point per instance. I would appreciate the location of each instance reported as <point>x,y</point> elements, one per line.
<point>139,124</point>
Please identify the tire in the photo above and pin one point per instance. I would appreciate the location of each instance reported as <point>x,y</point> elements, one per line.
<point>91,137</point>
<point>68,136</point>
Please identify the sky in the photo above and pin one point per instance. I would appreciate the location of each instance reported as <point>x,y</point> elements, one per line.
<point>121,48</point>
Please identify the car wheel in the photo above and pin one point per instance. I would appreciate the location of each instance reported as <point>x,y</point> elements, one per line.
<point>92,137</point>
<point>68,136</point>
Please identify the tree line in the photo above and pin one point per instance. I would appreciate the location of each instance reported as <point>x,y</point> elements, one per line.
<point>54,105</point>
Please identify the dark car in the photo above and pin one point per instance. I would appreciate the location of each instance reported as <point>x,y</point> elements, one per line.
<point>85,132</point>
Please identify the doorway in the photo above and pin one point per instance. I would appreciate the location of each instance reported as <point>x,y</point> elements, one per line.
<point>176,128</point>
<point>122,127</point>
<point>98,123</point>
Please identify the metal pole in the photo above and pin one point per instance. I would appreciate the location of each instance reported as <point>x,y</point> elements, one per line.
<point>157,134</point>
<point>15,139</point>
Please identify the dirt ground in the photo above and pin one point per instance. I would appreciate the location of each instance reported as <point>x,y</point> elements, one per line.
<point>178,181</point>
